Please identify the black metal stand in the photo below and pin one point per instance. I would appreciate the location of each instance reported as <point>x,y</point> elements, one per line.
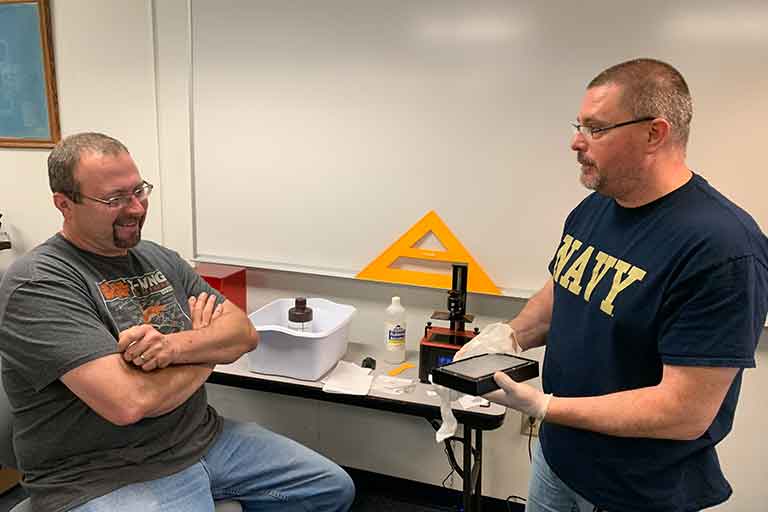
<point>471,467</point>
<point>473,490</point>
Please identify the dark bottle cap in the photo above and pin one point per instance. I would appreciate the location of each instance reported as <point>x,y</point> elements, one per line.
<point>300,313</point>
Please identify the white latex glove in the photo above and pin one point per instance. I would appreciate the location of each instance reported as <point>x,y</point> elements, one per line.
<point>494,339</point>
<point>520,397</point>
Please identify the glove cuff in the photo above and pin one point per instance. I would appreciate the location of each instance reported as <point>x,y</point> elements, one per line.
<point>513,336</point>
<point>516,348</point>
<point>541,412</point>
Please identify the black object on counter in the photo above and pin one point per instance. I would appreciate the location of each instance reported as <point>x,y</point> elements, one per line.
<point>474,375</point>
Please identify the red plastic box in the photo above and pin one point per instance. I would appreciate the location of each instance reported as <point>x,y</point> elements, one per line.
<point>227,279</point>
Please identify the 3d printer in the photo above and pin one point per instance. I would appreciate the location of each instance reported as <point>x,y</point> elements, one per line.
<point>440,344</point>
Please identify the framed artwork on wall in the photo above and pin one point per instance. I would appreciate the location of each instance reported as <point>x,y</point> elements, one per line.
<point>29,112</point>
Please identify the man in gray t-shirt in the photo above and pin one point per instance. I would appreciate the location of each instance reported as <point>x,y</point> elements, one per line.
<point>106,341</point>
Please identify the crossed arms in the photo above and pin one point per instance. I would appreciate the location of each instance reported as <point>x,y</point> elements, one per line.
<point>124,388</point>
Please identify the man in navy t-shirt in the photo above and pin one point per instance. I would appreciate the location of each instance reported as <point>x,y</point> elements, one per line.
<point>658,297</point>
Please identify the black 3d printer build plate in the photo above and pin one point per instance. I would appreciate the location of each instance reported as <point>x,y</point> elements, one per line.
<point>474,375</point>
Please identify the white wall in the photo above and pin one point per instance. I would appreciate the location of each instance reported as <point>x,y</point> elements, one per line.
<point>119,75</point>
<point>350,107</point>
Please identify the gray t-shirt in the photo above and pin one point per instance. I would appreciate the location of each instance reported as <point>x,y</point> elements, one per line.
<point>61,307</point>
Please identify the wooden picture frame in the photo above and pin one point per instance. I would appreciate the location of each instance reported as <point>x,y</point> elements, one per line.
<point>29,111</point>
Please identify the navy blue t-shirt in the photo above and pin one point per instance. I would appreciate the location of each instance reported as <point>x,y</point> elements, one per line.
<point>680,281</point>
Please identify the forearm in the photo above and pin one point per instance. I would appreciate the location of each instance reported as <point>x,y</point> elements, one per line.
<point>682,406</point>
<point>223,341</point>
<point>531,325</point>
<point>164,390</point>
<point>123,394</point>
<point>640,412</point>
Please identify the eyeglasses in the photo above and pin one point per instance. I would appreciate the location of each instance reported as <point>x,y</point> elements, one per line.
<point>596,132</point>
<point>141,193</point>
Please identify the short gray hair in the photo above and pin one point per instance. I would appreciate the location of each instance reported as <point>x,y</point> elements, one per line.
<point>652,88</point>
<point>66,155</point>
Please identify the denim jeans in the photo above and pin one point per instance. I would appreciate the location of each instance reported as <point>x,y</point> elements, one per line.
<point>547,493</point>
<point>247,463</point>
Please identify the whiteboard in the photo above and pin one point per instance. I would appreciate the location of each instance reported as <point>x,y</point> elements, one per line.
<point>323,130</point>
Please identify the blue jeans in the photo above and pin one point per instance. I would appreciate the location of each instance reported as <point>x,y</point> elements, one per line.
<point>247,463</point>
<point>547,493</point>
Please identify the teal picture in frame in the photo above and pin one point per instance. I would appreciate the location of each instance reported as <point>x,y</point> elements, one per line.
<point>28,109</point>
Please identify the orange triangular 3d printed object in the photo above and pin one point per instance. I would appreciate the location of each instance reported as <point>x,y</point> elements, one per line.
<point>380,268</point>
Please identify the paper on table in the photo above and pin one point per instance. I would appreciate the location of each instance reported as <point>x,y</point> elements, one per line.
<point>349,378</point>
<point>467,402</point>
<point>393,385</point>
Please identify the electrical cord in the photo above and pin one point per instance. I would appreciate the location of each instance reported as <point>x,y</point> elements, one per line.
<point>531,423</point>
<point>455,468</point>
<point>448,449</point>
<point>520,499</point>
<point>447,477</point>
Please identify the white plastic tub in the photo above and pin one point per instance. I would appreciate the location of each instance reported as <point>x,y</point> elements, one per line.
<point>300,355</point>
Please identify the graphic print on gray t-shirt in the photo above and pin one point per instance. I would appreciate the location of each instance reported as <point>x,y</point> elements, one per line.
<point>144,299</point>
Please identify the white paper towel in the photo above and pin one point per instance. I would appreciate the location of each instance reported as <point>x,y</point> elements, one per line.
<point>349,378</point>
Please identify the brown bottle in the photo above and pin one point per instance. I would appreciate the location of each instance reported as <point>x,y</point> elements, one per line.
<point>300,316</point>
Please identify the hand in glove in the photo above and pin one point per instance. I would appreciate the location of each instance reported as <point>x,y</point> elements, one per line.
<point>518,396</point>
<point>495,338</point>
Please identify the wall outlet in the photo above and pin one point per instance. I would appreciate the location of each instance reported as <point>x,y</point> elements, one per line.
<point>529,425</point>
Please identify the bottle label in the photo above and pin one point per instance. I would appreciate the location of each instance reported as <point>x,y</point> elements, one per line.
<point>396,336</point>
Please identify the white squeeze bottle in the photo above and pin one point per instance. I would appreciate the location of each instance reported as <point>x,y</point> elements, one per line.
<point>395,335</point>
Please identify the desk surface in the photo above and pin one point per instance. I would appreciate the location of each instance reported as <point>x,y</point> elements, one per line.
<point>416,403</point>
